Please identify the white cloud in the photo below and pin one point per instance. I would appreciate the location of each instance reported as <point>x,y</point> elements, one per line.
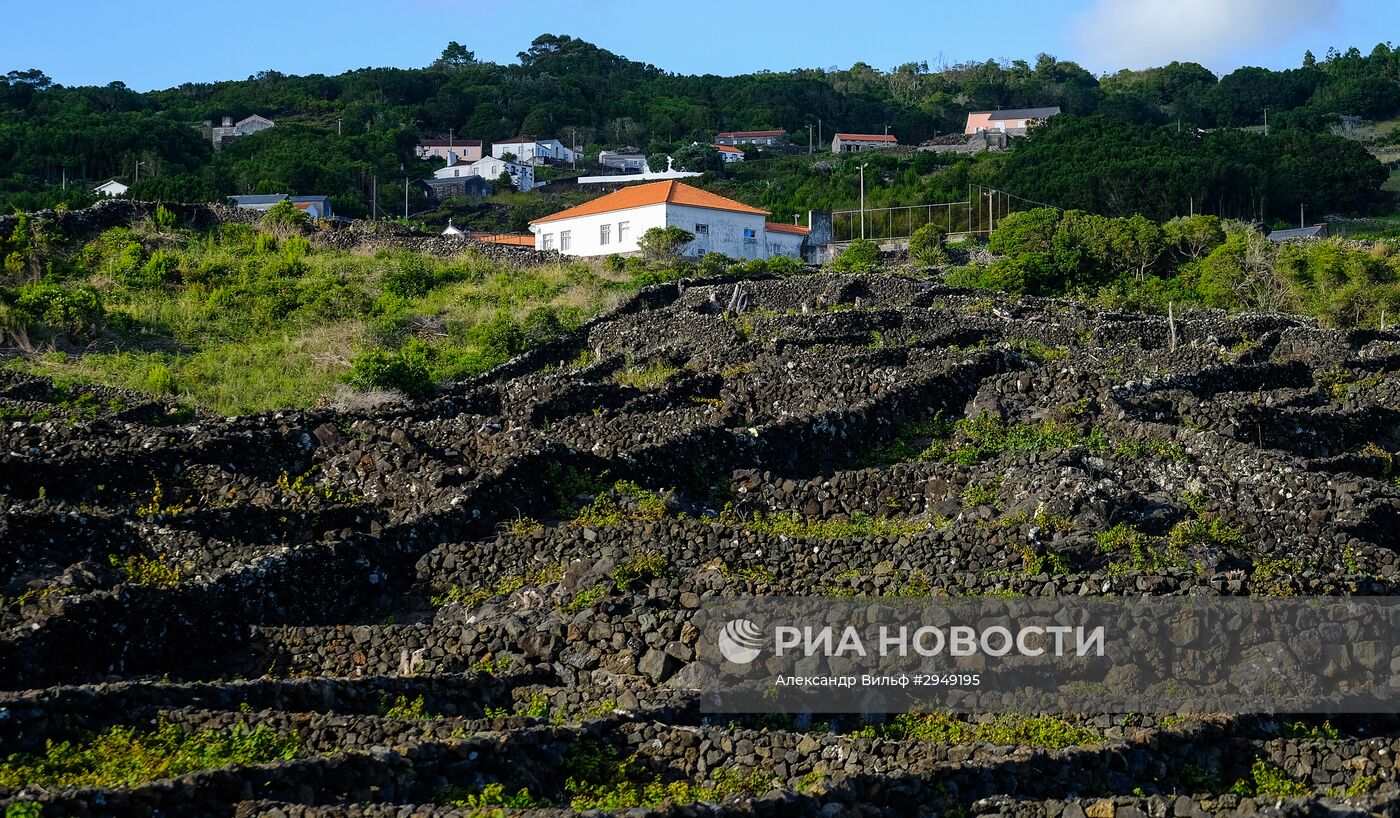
<point>1113,34</point>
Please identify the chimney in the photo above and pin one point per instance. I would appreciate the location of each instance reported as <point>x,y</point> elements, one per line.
<point>228,122</point>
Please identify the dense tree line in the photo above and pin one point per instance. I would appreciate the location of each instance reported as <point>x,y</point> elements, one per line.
<point>336,133</point>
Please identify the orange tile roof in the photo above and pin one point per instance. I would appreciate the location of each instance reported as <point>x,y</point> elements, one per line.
<point>726,148</point>
<point>779,227</point>
<point>866,137</point>
<point>654,193</point>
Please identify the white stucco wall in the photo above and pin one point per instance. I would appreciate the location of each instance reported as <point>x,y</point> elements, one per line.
<point>784,244</point>
<point>725,234</point>
<point>585,231</point>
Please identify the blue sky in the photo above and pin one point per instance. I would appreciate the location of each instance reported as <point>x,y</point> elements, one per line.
<point>162,43</point>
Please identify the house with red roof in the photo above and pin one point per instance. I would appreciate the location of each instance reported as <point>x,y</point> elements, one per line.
<point>729,153</point>
<point>613,224</point>
<point>852,142</point>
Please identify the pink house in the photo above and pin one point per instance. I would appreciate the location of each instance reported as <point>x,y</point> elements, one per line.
<point>1014,121</point>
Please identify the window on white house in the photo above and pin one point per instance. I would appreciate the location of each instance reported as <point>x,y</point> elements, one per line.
<point>564,240</point>
<point>548,242</point>
<point>749,234</point>
<point>702,230</point>
<point>604,233</point>
<point>622,231</point>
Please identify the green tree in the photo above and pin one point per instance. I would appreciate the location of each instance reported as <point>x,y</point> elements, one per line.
<point>664,244</point>
<point>285,217</point>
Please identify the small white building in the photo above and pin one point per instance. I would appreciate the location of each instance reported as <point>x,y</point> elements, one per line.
<point>533,151</point>
<point>729,153</point>
<point>111,187</point>
<point>490,168</point>
<point>613,223</point>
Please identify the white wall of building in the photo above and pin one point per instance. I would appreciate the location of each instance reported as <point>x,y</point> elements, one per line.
<point>534,152</point>
<point>784,244</point>
<point>585,232</point>
<point>724,231</point>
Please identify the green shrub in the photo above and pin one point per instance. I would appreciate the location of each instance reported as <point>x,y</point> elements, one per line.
<point>860,256</point>
<point>664,243</point>
<point>74,310</point>
<point>163,218</point>
<point>926,245</point>
<point>124,757</point>
<point>380,369</point>
<point>285,216</point>
<point>159,380</point>
<point>410,277</point>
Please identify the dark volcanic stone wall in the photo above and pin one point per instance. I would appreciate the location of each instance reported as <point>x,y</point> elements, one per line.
<point>307,570</point>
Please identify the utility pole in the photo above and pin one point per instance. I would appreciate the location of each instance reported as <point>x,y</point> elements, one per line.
<point>374,196</point>
<point>809,139</point>
<point>405,197</point>
<point>819,130</point>
<point>1266,121</point>
<point>449,139</point>
<point>862,201</point>
<point>573,146</point>
<point>338,132</point>
<point>1301,221</point>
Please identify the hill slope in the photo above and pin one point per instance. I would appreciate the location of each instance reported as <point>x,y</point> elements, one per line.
<point>525,552</point>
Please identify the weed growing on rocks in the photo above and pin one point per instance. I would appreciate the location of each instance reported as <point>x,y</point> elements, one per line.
<point>640,568</point>
<point>651,376</point>
<point>491,795</point>
<point>1267,779</point>
<point>857,525</point>
<point>599,778</point>
<point>1047,732</point>
<point>139,569</point>
<point>987,436</point>
<point>157,507</point>
<point>402,708</point>
<point>627,501</point>
<point>124,757</point>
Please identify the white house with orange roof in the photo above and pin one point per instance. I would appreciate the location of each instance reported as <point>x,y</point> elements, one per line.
<point>729,153</point>
<point>613,224</point>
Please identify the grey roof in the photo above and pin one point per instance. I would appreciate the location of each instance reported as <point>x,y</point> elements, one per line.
<point>1316,231</point>
<point>258,199</point>
<point>1022,113</point>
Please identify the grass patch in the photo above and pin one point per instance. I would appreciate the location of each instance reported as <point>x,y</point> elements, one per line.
<point>1047,732</point>
<point>600,778</point>
<point>124,757</point>
<point>139,569</point>
<point>987,436</point>
<point>625,502</point>
<point>857,525</point>
<point>651,376</point>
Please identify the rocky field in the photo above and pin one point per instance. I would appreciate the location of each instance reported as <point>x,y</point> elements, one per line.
<point>484,602</point>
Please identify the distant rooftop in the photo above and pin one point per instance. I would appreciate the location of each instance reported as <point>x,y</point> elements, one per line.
<point>866,137</point>
<point>1020,113</point>
<point>741,134</point>
<point>450,143</point>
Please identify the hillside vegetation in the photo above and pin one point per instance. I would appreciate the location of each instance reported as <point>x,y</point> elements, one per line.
<point>337,134</point>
